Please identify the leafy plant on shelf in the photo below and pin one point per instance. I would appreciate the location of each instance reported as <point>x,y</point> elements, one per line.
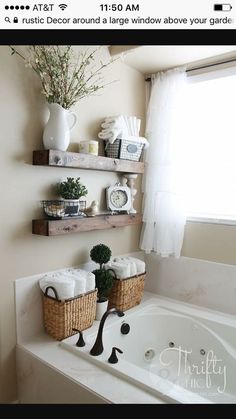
<point>101,254</point>
<point>71,188</point>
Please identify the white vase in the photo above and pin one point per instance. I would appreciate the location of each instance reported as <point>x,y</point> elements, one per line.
<point>56,135</point>
<point>101,308</point>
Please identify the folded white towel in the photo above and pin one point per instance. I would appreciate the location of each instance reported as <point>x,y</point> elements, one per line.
<point>63,284</point>
<point>88,276</point>
<point>133,125</point>
<point>121,269</point>
<point>138,126</point>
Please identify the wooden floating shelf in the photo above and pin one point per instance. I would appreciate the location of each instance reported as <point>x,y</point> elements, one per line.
<point>46,227</point>
<point>85,161</point>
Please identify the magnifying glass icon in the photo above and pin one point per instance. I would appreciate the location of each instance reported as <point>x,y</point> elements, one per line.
<point>7,19</point>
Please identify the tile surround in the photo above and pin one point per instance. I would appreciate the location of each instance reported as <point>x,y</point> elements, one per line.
<point>208,284</point>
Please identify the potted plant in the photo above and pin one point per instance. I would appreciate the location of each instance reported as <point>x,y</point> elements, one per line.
<point>70,191</point>
<point>101,254</point>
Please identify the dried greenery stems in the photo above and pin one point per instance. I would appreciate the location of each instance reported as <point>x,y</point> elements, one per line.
<point>66,77</point>
<point>71,188</point>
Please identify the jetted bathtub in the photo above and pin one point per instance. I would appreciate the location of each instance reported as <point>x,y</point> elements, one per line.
<point>176,351</point>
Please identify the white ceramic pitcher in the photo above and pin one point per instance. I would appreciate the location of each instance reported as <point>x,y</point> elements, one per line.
<point>56,135</point>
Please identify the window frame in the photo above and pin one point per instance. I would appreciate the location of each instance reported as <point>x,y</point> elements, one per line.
<point>213,71</point>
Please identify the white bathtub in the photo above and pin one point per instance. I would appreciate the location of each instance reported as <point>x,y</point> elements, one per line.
<point>176,351</point>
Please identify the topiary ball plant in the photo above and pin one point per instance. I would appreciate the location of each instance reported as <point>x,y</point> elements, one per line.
<point>101,254</point>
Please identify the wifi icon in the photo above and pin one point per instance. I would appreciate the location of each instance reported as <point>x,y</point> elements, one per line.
<point>62,6</point>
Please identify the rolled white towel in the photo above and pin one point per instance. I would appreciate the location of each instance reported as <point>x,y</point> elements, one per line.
<point>110,135</point>
<point>88,276</point>
<point>90,282</point>
<point>127,260</point>
<point>106,125</point>
<point>63,284</point>
<point>80,284</point>
<point>113,119</point>
<point>103,136</point>
<point>108,131</point>
<point>140,265</point>
<point>121,269</point>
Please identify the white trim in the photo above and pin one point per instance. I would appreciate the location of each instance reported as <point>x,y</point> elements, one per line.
<point>209,220</point>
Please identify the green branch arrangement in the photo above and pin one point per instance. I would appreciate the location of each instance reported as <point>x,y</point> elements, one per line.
<point>66,77</point>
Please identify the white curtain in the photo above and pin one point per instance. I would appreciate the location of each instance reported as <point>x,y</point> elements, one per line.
<point>164,215</point>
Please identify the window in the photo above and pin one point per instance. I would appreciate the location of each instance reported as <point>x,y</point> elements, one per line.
<point>209,148</point>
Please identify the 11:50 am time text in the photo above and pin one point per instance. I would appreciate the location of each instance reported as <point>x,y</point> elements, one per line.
<point>119,7</point>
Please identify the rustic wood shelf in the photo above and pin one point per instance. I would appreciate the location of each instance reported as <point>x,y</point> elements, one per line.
<point>46,227</point>
<point>85,161</point>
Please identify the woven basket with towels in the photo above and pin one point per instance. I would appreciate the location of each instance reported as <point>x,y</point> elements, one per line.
<point>61,317</point>
<point>128,285</point>
<point>127,293</point>
<point>122,139</point>
<point>69,301</point>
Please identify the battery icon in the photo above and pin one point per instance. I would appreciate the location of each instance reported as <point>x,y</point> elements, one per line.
<point>226,7</point>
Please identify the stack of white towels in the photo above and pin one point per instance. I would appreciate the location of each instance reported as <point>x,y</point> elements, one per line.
<point>124,267</point>
<point>68,283</point>
<point>122,127</point>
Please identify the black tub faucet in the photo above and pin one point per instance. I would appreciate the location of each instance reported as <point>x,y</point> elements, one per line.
<point>113,357</point>
<point>97,348</point>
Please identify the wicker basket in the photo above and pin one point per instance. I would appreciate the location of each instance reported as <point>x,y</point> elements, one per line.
<point>124,149</point>
<point>60,317</point>
<point>127,293</point>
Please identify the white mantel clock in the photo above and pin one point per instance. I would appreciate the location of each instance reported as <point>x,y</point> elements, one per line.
<point>118,198</point>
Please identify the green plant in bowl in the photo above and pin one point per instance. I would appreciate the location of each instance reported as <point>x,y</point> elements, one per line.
<point>71,190</point>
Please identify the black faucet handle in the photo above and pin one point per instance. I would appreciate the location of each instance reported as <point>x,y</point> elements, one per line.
<point>80,342</point>
<point>113,357</point>
<point>115,311</point>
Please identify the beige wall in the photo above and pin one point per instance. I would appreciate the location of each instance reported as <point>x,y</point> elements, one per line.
<point>23,113</point>
<point>215,242</point>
